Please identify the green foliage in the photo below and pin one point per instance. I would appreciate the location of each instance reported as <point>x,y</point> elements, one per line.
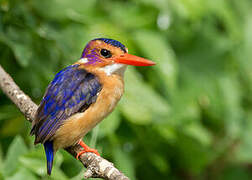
<point>188,117</point>
<point>16,149</point>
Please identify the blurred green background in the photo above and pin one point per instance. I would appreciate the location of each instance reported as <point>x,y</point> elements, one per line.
<point>188,117</point>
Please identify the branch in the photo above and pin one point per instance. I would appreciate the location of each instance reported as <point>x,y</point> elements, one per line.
<point>97,167</point>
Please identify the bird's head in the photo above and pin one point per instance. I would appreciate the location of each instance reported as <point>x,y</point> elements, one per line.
<point>110,55</point>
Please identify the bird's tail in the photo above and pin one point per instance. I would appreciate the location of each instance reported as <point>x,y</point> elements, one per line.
<point>48,146</point>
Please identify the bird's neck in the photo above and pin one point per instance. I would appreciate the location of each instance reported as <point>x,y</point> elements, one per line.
<point>106,73</point>
<point>109,70</point>
<point>118,69</point>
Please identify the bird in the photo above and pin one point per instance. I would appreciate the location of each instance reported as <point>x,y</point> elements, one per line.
<point>82,95</point>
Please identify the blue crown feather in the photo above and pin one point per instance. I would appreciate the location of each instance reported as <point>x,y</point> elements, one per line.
<point>113,43</point>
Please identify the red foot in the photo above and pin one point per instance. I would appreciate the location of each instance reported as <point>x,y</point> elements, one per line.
<point>86,149</point>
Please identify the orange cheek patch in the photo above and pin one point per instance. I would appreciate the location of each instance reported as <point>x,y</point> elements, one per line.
<point>93,53</point>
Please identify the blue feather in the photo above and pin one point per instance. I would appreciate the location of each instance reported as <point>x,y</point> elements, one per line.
<point>48,146</point>
<point>113,43</point>
<point>72,90</point>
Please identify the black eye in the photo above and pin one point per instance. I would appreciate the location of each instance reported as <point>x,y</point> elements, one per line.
<point>106,53</point>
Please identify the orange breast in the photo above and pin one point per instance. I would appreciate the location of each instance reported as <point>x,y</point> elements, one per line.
<point>79,124</point>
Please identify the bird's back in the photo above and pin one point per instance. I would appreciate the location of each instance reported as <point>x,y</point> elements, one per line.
<point>79,124</point>
<point>73,90</point>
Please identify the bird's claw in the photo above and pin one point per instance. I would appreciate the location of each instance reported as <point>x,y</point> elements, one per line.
<point>86,149</point>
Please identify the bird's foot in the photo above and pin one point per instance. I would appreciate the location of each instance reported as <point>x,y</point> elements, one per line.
<point>86,149</point>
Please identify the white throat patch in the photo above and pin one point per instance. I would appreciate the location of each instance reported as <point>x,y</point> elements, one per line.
<point>83,60</point>
<point>114,69</point>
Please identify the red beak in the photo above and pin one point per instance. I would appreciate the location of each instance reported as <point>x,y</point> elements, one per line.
<point>133,60</point>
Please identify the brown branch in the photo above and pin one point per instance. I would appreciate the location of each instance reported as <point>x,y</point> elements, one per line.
<point>97,167</point>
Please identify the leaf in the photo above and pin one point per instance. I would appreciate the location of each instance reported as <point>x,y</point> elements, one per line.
<point>71,42</point>
<point>57,174</point>
<point>224,11</point>
<point>107,29</point>
<point>20,43</point>
<point>161,4</point>
<point>190,10</point>
<point>232,100</point>
<point>22,174</point>
<point>1,161</point>
<point>243,152</point>
<point>235,172</point>
<point>141,104</point>
<point>12,126</point>
<point>35,161</point>
<point>124,162</point>
<point>191,155</point>
<point>70,166</point>
<point>110,124</point>
<point>1,175</point>
<point>35,165</point>
<point>15,151</point>
<point>22,53</point>
<point>244,53</point>
<point>8,112</point>
<point>198,132</point>
<point>131,16</point>
<point>61,10</point>
<point>168,132</point>
<point>78,176</point>
<point>154,46</point>
<point>160,163</point>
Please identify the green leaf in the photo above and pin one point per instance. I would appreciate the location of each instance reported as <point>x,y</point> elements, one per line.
<point>160,163</point>
<point>224,11</point>
<point>198,132</point>
<point>12,126</point>
<point>141,104</point>
<point>8,112</point>
<point>235,172</point>
<point>131,16</point>
<point>232,100</point>
<point>124,162</point>
<point>1,161</point>
<point>35,161</point>
<point>77,10</point>
<point>71,42</point>
<point>192,155</point>
<point>243,152</point>
<point>168,132</point>
<point>110,124</point>
<point>15,151</point>
<point>161,4</point>
<point>154,46</point>
<point>36,165</point>
<point>20,43</point>
<point>191,10</point>
<point>78,176</point>
<point>58,174</point>
<point>22,174</point>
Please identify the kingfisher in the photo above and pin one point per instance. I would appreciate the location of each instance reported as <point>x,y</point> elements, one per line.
<point>82,95</point>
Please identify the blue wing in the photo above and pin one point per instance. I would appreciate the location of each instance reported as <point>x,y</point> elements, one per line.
<point>72,90</point>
